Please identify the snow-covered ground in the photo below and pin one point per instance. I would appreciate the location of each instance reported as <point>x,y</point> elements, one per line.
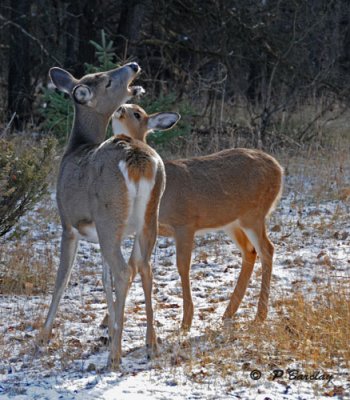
<point>311,233</point>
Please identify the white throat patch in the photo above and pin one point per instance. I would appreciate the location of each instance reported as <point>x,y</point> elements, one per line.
<point>119,128</point>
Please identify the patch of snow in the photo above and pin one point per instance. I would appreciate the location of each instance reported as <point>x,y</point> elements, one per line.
<point>312,242</point>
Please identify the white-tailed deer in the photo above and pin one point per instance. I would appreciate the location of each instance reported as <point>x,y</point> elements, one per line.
<point>106,190</point>
<point>232,190</point>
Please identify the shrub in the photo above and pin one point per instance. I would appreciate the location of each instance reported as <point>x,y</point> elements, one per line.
<point>105,54</point>
<point>23,173</point>
<point>57,110</point>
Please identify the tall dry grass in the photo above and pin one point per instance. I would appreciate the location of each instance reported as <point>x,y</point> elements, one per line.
<point>309,336</point>
<point>24,272</point>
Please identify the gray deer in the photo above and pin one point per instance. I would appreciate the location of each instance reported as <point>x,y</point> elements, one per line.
<point>106,190</point>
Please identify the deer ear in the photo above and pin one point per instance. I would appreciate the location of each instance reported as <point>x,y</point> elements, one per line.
<point>62,79</point>
<point>82,94</point>
<point>162,121</point>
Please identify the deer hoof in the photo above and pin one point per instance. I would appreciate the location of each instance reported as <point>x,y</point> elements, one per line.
<point>186,327</point>
<point>104,323</point>
<point>114,363</point>
<point>152,350</point>
<point>42,339</point>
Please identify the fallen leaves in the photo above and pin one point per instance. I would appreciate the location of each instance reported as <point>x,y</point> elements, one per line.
<point>168,305</point>
<point>344,194</point>
<point>341,235</point>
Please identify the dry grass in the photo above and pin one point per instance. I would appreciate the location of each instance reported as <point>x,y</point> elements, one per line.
<point>310,333</point>
<point>314,331</point>
<point>23,272</point>
<point>27,262</point>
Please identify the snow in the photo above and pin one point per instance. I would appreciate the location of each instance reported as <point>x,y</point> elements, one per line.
<point>311,237</point>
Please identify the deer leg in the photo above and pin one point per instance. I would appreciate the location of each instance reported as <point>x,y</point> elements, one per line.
<point>122,281</point>
<point>248,260</point>
<point>119,279</point>
<point>147,281</point>
<point>145,244</point>
<point>184,243</point>
<point>108,287</point>
<point>141,255</point>
<point>107,279</point>
<point>266,261</point>
<point>265,249</point>
<point>69,245</point>
<point>139,261</point>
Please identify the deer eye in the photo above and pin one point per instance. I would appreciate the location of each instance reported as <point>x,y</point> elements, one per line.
<point>109,83</point>
<point>137,115</point>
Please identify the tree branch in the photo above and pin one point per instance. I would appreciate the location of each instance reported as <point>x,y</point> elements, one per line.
<point>25,32</point>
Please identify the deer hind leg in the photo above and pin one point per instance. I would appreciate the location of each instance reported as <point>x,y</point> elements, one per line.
<point>184,244</point>
<point>265,249</point>
<point>69,246</point>
<point>117,277</point>
<point>108,287</point>
<point>248,260</point>
<point>141,255</point>
<point>107,279</point>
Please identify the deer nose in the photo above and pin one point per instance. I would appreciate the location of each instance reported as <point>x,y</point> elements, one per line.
<point>135,67</point>
<point>119,112</point>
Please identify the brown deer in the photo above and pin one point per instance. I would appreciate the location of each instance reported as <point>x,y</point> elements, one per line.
<point>106,190</point>
<point>233,190</point>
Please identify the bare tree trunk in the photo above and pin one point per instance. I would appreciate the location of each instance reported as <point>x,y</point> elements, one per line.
<point>132,16</point>
<point>72,41</point>
<point>19,88</point>
<point>4,61</point>
<point>87,32</point>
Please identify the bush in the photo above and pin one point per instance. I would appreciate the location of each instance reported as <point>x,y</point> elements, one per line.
<point>57,110</point>
<point>23,178</point>
<point>105,54</point>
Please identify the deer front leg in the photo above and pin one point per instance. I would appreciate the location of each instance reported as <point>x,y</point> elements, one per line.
<point>69,245</point>
<point>184,243</point>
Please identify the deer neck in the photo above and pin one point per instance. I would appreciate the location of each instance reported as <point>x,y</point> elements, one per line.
<point>89,128</point>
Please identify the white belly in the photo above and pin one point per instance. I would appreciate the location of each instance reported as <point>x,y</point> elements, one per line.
<point>224,228</point>
<point>87,232</point>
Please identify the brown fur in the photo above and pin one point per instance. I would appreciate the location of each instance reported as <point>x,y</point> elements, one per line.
<point>137,157</point>
<point>212,195</point>
<point>137,127</point>
<point>235,189</point>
